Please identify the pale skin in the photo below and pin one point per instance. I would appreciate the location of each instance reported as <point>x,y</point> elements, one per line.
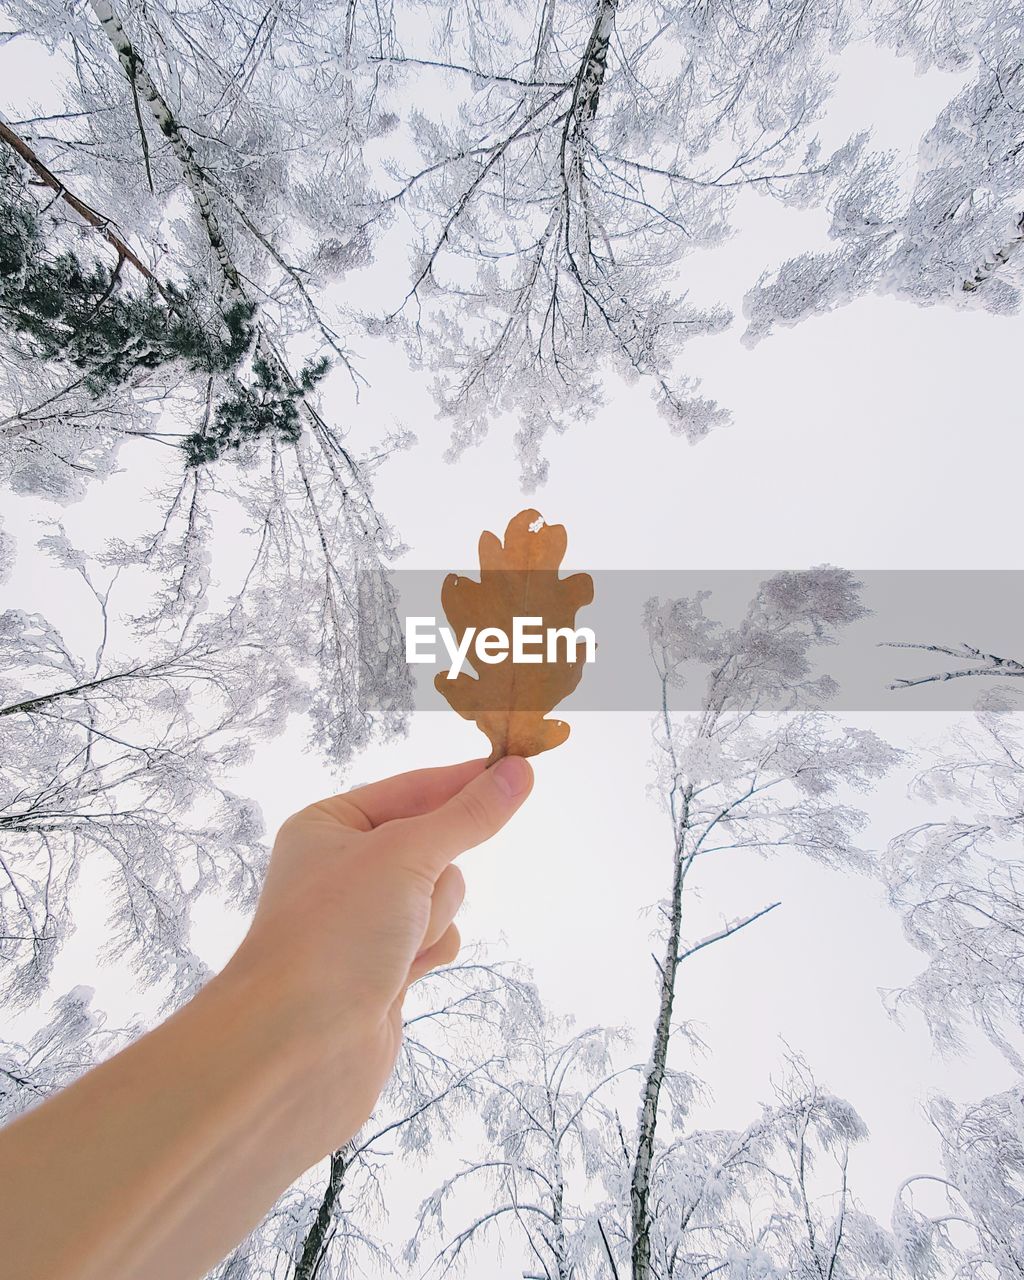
<point>157,1162</point>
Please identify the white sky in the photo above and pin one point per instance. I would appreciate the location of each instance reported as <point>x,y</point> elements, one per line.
<point>882,436</point>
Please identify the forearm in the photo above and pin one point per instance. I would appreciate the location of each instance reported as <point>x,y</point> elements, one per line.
<point>157,1162</point>
<point>154,1165</point>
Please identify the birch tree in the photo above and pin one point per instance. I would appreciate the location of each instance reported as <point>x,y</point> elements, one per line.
<point>223,137</point>
<point>557,167</point>
<point>969,663</point>
<point>576,158</point>
<point>760,766</point>
<point>179,123</point>
<point>772,1200</point>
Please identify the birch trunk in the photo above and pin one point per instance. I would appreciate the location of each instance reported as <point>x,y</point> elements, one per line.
<point>318,1237</point>
<point>140,79</point>
<point>640,1184</point>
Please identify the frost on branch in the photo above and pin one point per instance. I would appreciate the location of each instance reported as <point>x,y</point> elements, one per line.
<point>237,186</point>
<point>548,1135</point>
<point>957,882</point>
<point>554,1183</point>
<point>556,209</point>
<point>760,766</point>
<point>74,1038</point>
<point>116,763</point>
<point>955,234</point>
<point>968,1221</point>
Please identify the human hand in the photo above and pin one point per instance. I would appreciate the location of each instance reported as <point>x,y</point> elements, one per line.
<point>358,903</point>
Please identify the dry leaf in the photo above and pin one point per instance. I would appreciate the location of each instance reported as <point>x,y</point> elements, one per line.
<point>509,700</point>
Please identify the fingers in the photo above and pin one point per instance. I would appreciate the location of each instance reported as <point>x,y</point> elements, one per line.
<point>442,940</point>
<point>444,951</point>
<point>449,892</point>
<point>408,794</point>
<point>474,814</point>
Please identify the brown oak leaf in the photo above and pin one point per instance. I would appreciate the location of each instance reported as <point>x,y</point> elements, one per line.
<point>509,700</point>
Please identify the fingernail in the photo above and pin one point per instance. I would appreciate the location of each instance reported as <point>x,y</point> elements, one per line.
<point>512,774</point>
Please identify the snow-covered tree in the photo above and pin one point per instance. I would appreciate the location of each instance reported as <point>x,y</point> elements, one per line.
<point>759,766</point>
<point>196,130</point>
<point>73,1038</point>
<point>770,1201</point>
<point>217,137</point>
<point>556,164</point>
<point>969,1221</point>
<point>318,595</point>
<point>583,152</point>
<point>118,763</point>
<point>957,880</point>
<point>547,1130</point>
<point>958,884</point>
<point>955,234</point>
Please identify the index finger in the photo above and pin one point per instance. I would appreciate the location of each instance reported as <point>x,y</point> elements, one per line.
<point>407,795</point>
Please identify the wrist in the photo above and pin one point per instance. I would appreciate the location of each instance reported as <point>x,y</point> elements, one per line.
<point>309,1071</point>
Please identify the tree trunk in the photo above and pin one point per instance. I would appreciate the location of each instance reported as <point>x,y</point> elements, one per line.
<point>102,225</point>
<point>201,184</point>
<point>142,83</point>
<point>594,66</point>
<point>561,1245</point>
<point>32,704</point>
<point>314,1247</point>
<point>640,1185</point>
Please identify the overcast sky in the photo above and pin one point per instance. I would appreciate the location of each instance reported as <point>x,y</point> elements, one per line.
<point>882,436</point>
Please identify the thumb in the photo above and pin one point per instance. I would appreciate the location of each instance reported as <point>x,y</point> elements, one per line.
<point>470,817</point>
